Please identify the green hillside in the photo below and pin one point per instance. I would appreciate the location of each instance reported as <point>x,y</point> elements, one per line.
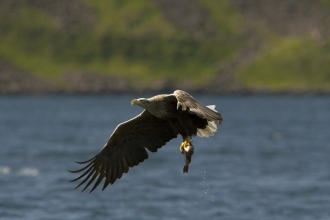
<point>294,63</point>
<point>144,40</point>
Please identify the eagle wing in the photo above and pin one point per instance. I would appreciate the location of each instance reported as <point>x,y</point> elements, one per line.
<point>126,148</point>
<point>187,101</point>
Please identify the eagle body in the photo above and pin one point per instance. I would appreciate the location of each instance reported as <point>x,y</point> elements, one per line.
<point>165,117</point>
<point>164,107</point>
<point>161,106</point>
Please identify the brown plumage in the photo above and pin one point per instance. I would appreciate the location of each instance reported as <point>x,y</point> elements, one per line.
<point>164,117</point>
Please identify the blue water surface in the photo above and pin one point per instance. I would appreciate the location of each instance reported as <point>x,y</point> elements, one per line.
<point>270,159</point>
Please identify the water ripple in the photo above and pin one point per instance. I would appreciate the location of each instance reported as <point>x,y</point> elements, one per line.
<point>29,171</point>
<point>4,170</point>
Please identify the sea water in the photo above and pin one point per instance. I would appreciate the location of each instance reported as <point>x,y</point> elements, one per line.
<point>270,159</point>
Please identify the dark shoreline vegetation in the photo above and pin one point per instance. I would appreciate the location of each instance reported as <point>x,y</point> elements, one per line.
<point>13,83</point>
<point>126,47</point>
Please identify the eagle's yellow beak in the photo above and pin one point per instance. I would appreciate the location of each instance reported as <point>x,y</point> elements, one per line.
<point>134,102</point>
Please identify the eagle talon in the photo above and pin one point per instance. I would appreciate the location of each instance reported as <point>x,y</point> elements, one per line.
<point>182,148</point>
<point>184,144</point>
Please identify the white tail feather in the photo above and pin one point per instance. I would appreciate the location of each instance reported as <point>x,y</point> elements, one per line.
<point>210,129</point>
<point>211,126</point>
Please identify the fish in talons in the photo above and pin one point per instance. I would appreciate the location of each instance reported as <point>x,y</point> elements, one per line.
<point>188,151</point>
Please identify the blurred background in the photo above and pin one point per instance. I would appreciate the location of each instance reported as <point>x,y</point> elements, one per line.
<point>268,160</point>
<point>212,46</point>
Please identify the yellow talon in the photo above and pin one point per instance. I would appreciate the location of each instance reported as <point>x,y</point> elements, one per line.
<point>182,147</point>
<point>184,144</point>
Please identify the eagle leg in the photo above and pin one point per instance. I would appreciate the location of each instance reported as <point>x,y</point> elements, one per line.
<point>186,142</point>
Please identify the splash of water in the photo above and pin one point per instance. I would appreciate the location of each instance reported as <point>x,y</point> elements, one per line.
<point>206,186</point>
